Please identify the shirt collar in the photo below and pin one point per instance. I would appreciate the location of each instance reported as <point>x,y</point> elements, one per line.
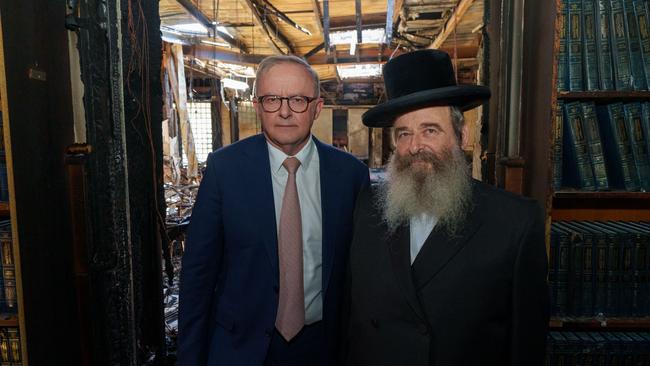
<point>277,156</point>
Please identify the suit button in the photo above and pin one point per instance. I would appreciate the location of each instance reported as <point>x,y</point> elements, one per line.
<point>374,323</point>
<point>268,333</point>
<point>422,328</point>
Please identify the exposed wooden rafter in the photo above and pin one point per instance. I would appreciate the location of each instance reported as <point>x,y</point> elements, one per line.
<point>268,28</point>
<point>326,25</point>
<point>314,50</point>
<point>205,52</point>
<point>357,12</point>
<point>197,14</point>
<point>317,16</point>
<point>452,22</point>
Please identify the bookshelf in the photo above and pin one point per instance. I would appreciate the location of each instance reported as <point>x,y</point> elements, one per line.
<point>592,257</point>
<point>8,209</point>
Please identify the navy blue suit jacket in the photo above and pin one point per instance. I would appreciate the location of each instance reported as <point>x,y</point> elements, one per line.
<point>229,275</point>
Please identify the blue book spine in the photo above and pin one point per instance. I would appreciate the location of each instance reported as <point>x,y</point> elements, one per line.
<point>634,279</point>
<point>641,13</point>
<point>562,278</point>
<point>638,71</point>
<point>627,274</point>
<point>563,53</point>
<point>575,46</point>
<point>634,125</point>
<point>645,122</point>
<point>618,150</point>
<point>603,45</point>
<point>558,124</point>
<point>613,276</point>
<point>589,45</point>
<point>577,169</point>
<point>595,145</point>
<point>620,47</point>
<point>600,274</point>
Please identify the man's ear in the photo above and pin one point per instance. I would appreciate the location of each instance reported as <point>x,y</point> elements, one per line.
<point>319,106</point>
<point>464,137</point>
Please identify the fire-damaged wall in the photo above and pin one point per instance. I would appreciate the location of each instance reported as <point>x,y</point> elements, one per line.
<point>91,296</point>
<point>120,56</point>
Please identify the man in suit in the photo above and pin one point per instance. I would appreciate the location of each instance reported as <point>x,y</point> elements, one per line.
<point>444,270</point>
<point>268,242</point>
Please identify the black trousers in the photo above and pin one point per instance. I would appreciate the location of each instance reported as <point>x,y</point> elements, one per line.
<point>305,349</point>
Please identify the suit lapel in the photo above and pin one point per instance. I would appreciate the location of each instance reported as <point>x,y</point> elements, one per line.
<point>400,255</point>
<point>262,195</point>
<point>329,210</point>
<point>440,247</point>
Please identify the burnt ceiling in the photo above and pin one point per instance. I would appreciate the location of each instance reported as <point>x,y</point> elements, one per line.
<point>332,35</point>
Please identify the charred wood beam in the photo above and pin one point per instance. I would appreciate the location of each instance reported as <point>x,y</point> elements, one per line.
<point>284,17</point>
<point>366,55</point>
<point>237,43</point>
<point>317,16</point>
<point>452,22</point>
<point>205,52</point>
<point>351,20</point>
<point>265,25</point>
<point>314,50</point>
<point>197,14</point>
<point>326,25</point>
<point>357,14</point>
<point>192,40</point>
<point>353,27</point>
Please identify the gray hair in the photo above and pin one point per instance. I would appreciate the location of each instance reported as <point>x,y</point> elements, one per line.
<point>271,61</point>
<point>457,121</point>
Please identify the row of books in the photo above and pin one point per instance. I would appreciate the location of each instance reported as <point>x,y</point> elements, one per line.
<point>10,347</point>
<point>8,296</point>
<point>604,45</point>
<point>600,268</point>
<point>598,348</point>
<point>601,147</point>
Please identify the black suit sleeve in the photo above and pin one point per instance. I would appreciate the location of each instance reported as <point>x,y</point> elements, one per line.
<point>200,267</point>
<point>530,303</point>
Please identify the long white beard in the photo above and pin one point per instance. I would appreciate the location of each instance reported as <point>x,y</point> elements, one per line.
<point>443,191</point>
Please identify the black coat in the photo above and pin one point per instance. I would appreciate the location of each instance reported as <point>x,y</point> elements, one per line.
<point>480,298</point>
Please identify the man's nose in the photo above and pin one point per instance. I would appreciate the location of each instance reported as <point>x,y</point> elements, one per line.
<point>285,111</point>
<point>415,145</point>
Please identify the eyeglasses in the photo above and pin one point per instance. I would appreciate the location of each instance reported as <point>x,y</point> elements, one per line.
<point>273,103</point>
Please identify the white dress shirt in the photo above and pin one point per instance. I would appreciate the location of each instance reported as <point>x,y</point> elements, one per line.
<point>308,184</point>
<point>421,227</point>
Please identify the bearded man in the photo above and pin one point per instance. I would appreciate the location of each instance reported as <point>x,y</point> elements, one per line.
<point>444,270</point>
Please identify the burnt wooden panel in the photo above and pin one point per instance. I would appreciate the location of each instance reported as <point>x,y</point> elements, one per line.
<point>41,127</point>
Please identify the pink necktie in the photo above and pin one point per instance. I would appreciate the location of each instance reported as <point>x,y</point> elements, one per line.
<point>291,307</point>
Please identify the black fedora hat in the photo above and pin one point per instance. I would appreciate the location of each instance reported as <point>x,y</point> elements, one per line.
<point>422,79</point>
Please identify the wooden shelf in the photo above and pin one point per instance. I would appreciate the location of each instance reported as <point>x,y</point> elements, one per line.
<point>617,195</point>
<point>601,206</point>
<point>8,320</point>
<point>599,323</point>
<point>605,95</point>
<point>4,209</point>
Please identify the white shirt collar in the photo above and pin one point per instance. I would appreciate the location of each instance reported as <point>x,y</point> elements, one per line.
<point>277,156</point>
